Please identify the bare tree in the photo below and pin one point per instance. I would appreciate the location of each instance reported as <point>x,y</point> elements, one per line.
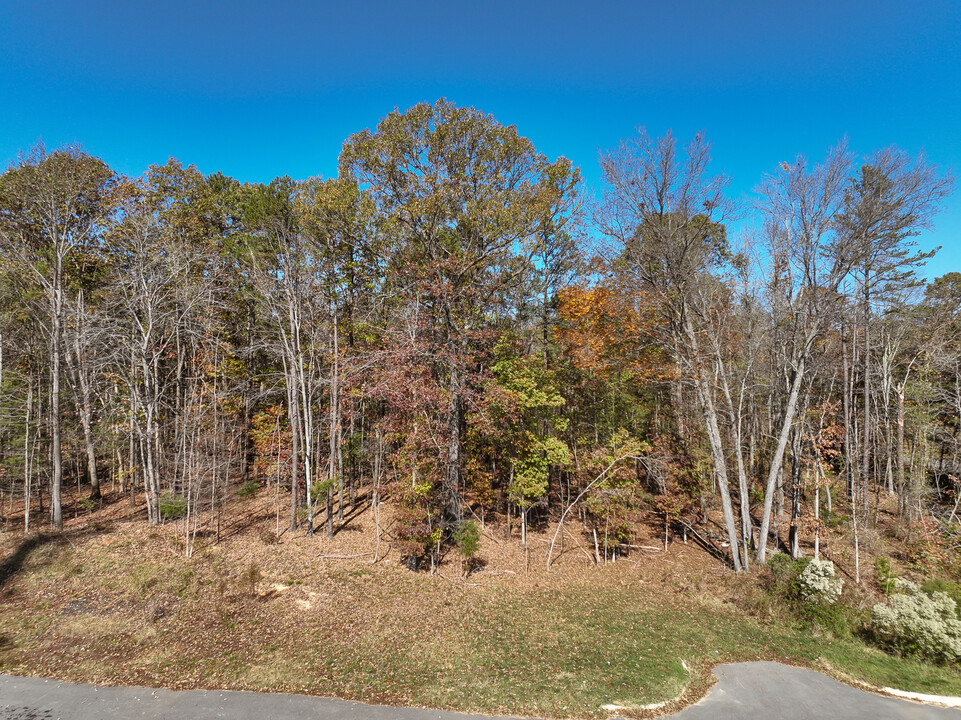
<point>665,214</point>
<point>159,292</point>
<point>809,260</point>
<point>52,205</point>
<point>890,200</point>
<point>288,281</point>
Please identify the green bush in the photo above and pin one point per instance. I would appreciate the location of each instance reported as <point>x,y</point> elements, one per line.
<point>782,575</point>
<point>834,618</point>
<point>172,506</point>
<point>918,624</point>
<point>248,489</point>
<point>809,590</point>
<point>833,519</point>
<point>320,488</point>
<point>467,538</point>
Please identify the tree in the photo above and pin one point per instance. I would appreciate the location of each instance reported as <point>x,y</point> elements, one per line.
<point>283,272</point>
<point>892,197</point>
<point>665,214</point>
<point>522,403</point>
<point>809,260</point>
<point>336,221</point>
<point>52,205</point>
<point>464,197</point>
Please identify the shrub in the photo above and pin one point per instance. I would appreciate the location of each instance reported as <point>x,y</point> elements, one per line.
<point>320,488</point>
<point>836,619</point>
<point>886,577</point>
<point>833,519</point>
<point>782,575</point>
<point>809,590</point>
<point>951,589</point>
<point>172,506</point>
<point>919,624</point>
<point>467,538</point>
<point>413,536</point>
<point>818,584</point>
<point>249,579</point>
<point>248,489</point>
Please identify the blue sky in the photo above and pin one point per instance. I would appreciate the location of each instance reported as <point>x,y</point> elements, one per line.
<point>257,90</point>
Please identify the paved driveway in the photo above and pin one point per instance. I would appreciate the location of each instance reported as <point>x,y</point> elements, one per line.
<point>762,690</point>
<point>745,691</point>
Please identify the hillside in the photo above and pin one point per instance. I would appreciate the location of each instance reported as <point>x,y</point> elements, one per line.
<point>114,600</point>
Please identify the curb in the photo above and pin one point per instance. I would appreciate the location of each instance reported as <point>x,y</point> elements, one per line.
<point>943,700</point>
<point>946,700</point>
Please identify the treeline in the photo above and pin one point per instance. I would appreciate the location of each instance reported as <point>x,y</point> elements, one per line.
<point>451,324</point>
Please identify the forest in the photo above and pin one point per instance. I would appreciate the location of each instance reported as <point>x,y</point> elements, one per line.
<point>455,328</point>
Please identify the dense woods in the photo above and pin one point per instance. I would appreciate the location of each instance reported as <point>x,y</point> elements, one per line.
<point>455,327</point>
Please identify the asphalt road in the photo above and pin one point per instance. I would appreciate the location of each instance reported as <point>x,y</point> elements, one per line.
<point>744,691</point>
<point>762,690</point>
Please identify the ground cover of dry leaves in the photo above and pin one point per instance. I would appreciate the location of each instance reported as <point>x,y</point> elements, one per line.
<point>114,600</point>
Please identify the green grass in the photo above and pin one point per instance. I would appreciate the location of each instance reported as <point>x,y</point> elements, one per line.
<point>566,654</point>
<point>570,653</point>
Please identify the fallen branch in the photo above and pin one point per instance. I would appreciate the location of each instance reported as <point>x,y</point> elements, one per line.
<point>641,547</point>
<point>706,544</point>
<point>579,546</point>
<point>343,557</point>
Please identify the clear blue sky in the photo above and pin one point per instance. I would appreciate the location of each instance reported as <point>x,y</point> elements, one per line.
<point>271,88</point>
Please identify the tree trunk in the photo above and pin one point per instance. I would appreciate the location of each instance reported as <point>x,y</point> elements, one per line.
<point>336,469</point>
<point>56,480</point>
<point>866,429</point>
<point>847,400</point>
<point>747,529</point>
<point>330,511</point>
<point>817,519</point>
<point>292,417</point>
<point>794,533</point>
<point>85,407</point>
<point>27,456</point>
<point>787,421</point>
<point>452,471</point>
<point>901,478</point>
<point>717,451</point>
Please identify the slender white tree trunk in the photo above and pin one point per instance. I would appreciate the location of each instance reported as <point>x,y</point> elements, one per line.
<point>777,459</point>
<point>706,398</point>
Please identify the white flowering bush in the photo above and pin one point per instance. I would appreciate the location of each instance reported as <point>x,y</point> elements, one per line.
<point>916,623</point>
<point>817,583</point>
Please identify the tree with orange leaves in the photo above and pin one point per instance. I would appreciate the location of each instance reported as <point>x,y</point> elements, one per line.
<point>606,330</point>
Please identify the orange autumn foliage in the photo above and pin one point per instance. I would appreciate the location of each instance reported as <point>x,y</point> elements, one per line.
<point>608,331</point>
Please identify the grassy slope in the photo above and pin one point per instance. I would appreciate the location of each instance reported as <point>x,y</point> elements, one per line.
<point>120,604</point>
